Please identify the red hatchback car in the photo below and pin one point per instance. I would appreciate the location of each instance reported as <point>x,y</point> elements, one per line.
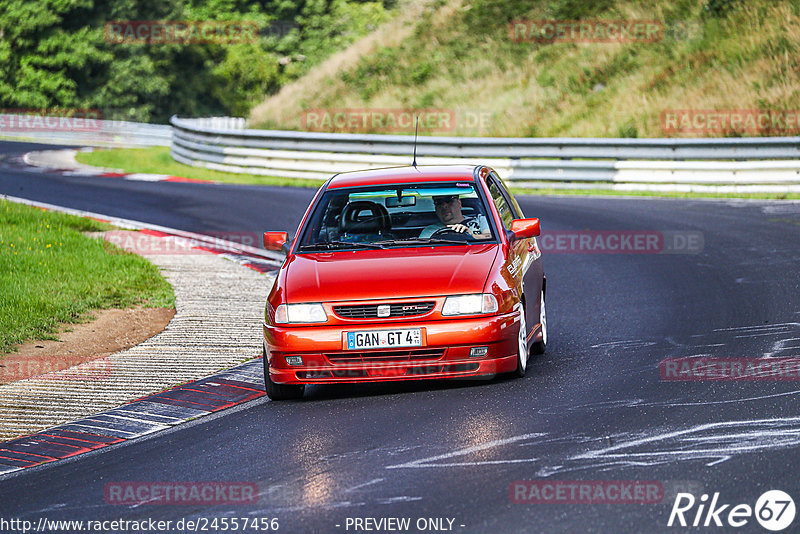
<point>405,273</point>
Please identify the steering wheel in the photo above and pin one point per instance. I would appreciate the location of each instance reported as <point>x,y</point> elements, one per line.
<point>452,234</point>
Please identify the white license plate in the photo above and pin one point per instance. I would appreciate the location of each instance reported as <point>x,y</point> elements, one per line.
<point>380,339</point>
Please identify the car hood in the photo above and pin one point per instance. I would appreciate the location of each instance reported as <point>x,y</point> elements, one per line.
<point>390,273</point>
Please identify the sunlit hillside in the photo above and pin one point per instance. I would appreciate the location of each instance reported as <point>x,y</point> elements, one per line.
<point>462,57</point>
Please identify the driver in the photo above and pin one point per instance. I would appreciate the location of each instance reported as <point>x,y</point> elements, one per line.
<point>448,209</point>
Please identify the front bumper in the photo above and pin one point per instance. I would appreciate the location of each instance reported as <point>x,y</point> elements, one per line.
<point>444,353</point>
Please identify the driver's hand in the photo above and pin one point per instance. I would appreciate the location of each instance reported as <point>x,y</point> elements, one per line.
<point>460,228</point>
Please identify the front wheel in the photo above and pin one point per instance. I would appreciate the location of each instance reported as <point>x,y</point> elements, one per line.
<point>540,346</point>
<point>522,346</point>
<point>279,392</point>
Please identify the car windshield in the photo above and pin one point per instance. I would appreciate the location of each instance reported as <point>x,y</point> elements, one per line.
<point>403,215</point>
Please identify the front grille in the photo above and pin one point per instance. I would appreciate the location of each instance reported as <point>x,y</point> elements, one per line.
<point>370,311</point>
<point>386,356</point>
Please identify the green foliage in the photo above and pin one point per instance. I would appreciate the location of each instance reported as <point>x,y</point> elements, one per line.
<point>498,13</point>
<point>628,130</point>
<point>375,72</point>
<point>328,25</point>
<point>578,9</point>
<point>56,54</point>
<point>546,78</point>
<point>719,8</point>
<point>421,72</point>
<point>244,77</point>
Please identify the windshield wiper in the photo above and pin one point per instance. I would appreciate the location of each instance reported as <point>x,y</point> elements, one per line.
<point>422,241</point>
<point>333,245</point>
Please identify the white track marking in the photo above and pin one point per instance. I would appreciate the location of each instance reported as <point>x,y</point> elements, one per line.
<point>426,462</point>
<point>365,484</point>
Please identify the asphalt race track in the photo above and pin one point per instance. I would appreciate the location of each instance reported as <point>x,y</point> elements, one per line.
<point>594,408</point>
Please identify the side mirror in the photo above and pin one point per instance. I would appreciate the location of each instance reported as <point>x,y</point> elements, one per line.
<point>275,240</point>
<point>525,228</point>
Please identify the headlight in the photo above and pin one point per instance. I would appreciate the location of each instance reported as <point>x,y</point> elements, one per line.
<point>470,304</point>
<point>300,313</point>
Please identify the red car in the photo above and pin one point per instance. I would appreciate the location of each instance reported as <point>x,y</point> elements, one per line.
<point>405,273</point>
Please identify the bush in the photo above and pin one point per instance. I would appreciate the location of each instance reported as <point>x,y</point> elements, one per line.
<point>719,8</point>
<point>56,55</point>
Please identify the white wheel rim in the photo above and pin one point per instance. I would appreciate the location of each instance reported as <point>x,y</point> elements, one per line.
<point>522,350</point>
<point>543,319</point>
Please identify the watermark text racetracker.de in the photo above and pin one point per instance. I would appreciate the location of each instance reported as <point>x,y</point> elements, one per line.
<point>586,491</point>
<point>707,368</point>
<point>180,493</point>
<point>193,524</point>
<point>377,120</point>
<point>155,32</point>
<point>50,120</point>
<point>722,121</point>
<point>621,242</point>
<point>156,244</point>
<point>601,31</point>
<point>65,367</point>
<point>585,31</point>
<point>394,120</point>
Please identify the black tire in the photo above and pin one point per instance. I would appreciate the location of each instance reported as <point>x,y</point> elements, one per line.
<point>279,392</point>
<point>540,346</point>
<point>522,348</point>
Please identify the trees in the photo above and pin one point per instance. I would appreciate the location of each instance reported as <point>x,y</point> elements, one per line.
<point>55,54</point>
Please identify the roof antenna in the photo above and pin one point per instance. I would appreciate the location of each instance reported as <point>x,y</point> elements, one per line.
<point>416,129</point>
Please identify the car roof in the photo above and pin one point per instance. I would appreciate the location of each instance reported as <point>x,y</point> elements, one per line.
<point>402,175</point>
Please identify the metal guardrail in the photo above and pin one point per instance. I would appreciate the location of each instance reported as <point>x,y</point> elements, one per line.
<point>764,163</point>
<point>223,143</point>
<point>744,148</point>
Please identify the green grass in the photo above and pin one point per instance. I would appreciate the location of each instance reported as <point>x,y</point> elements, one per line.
<point>51,273</point>
<point>157,160</point>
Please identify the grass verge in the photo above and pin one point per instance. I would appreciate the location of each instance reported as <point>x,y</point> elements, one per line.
<point>157,160</point>
<point>50,274</point>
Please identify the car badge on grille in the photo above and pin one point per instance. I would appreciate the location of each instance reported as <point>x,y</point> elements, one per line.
<point>384,310</point>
